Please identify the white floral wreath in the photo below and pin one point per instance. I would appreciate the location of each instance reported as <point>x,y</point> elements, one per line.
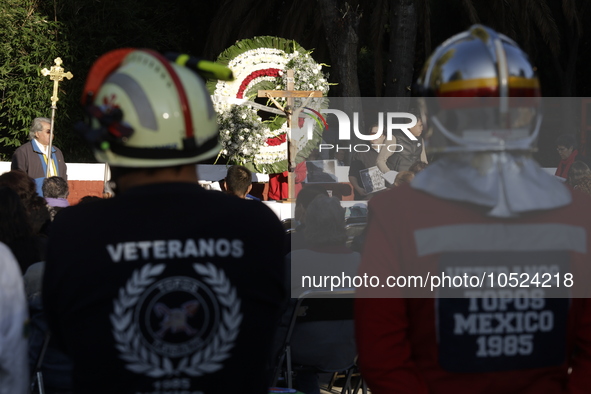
<point>260,63</point>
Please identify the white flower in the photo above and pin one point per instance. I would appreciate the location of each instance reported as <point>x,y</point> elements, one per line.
<point>243,134</point>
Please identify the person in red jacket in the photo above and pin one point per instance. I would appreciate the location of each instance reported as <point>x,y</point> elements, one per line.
<point>483,271</point>
<point>279,185</point>
<point>566,146</point>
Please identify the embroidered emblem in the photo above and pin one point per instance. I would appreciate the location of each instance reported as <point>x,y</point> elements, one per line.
<point>175,320</point>
<point>176,324</point>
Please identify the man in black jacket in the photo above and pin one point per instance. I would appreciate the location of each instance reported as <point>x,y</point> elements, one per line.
<point>32,156</point>
<point>152,291</point>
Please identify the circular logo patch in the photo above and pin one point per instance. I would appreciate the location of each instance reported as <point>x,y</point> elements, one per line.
<point>177,316</point>
<point>176,324</point>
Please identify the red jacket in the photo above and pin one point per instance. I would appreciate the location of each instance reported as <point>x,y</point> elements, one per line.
<point>279,187</point>
<point>424,345</point>
<point>564,165</point>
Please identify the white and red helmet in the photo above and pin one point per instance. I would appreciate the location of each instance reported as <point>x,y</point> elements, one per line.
<point>146,111</point>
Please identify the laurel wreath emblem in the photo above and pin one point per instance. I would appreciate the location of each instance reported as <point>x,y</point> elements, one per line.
<point>142,360</point>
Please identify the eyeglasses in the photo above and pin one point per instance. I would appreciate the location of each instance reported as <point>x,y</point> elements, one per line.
<point>561,149</point>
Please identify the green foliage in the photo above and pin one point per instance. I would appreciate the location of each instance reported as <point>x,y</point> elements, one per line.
<point>34,32</point>
<point>29,41</point>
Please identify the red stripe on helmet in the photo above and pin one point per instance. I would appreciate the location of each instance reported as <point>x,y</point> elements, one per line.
<point>180,89</point>
<point>492,91</point>
<point>463,102</point>
<point>101,69</point>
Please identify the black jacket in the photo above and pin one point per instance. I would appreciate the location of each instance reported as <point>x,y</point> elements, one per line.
<point>166,288</point>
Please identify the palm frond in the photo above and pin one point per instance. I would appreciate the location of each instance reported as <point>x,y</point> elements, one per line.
<point>258,15</point>
<point>471,11</point>
<point>569,9</point>
<point>299,18</point>
<point>524,26</point>
<point>505,18</point>
<point>223,26</point>
<point>544,21</point>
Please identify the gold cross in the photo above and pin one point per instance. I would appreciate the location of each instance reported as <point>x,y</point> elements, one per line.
<point>56,74</point>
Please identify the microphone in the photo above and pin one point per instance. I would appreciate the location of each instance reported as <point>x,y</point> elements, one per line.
<point>205,68</point>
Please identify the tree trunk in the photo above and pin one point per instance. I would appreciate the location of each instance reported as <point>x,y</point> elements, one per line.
<point>403,33</point>
<point>341,26</point>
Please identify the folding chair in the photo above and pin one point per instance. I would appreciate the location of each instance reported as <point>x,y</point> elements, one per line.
<point>36,374</point>
<point>315,306</point>
<point>287,225</point>
<point>349,375</point>
<point>50,368</point>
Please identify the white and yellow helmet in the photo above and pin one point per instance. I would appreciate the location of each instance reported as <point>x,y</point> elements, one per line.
<point>146,111</point>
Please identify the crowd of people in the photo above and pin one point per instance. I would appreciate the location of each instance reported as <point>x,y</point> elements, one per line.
<point>170,288</point>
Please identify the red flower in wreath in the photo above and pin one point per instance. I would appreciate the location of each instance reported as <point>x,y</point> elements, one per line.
<point>280,139</point>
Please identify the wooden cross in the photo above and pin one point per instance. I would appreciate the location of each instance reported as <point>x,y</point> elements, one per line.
<point>292,118</point>
<point>56,74</point>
